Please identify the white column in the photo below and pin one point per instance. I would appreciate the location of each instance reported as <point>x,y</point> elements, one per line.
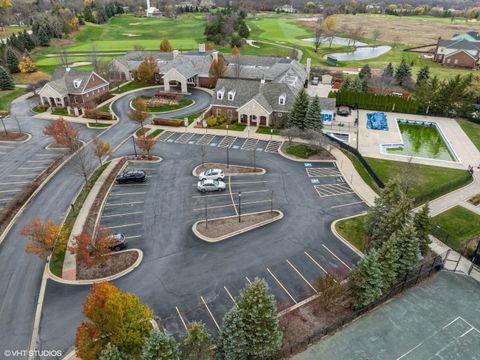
<point>166,84</point>
<point>184,86</point>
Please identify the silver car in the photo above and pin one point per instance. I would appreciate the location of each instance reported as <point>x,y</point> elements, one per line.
<point>210,185</point>
<point>211,174</point>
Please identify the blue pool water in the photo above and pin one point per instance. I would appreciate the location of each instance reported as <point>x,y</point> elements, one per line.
<point>327,117</point>
<point>377,121</point>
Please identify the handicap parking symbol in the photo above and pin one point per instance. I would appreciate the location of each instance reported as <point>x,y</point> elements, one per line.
<point>191,142</point>
<point>315,181</point>
<point>259,149</point>
<point>307,164</point>
<point>236,146</point>
<point>170,140</point>
<point>213,144</point>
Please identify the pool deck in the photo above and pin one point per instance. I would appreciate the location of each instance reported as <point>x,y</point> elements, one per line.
<point>370,141</point>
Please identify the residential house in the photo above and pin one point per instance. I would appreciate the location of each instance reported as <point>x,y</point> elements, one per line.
<point>463,50</point>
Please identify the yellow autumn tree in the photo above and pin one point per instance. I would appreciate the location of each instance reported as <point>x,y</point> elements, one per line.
<point>330,23</point>
<point>26,65</point>
<point>74,22</point>
<point>235,51</point>
<point>210,46</point>
<point>165,45</point>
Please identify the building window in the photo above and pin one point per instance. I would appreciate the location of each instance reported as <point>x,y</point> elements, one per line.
<point>220,94</point>
<point>281,99</point>
<point>280,114</point>
<point>448,61</point>
<point>231,95</point>
<point>455,61</point>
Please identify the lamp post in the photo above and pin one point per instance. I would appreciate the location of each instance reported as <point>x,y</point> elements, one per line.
<point>271,134</point>
<point>134,146</point>
<point>239,206</point>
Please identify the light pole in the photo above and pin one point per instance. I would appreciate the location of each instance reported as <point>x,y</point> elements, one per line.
<point>239,206</point>
<point>206,212</point>
<point>228,152</point>
<point>134,146</point>
<point>271,134</point>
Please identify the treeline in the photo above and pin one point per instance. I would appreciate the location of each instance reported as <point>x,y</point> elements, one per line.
<point>100,14</point>
<point>227,27</point>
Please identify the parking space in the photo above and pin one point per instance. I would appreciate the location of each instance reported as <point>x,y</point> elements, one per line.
<point>249,144</point>
<point>273,146</point>
<point>227,141</point>
<point>238,143</point>
<point>173,137</point>
<point>184,138</point>
<point>164,136</point>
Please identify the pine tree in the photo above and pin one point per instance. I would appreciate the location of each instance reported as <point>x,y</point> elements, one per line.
<point>313,118</point>
<point>423,74</point>
<point>232,344</point>
<point>296,117</point>
<point>408,248</point>
<point>388,71</point>
<point>423,226</point>
<point>43,38</point>
<point>111,352</point>
<point>197,344</point>
<point>403,73</point>
<point>159,346</point>
<point>259,317</point>
<point>366,280</point>
<point>365,72</point>
<point>346,85</point>
<point>6,82</point>
<point>388,257</point>
<point>12,61</point>
<point>27,40</point>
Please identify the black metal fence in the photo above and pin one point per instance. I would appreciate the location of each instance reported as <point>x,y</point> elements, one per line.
<point>422,271</point>
<point>443,189</point>
<point>360,158</point>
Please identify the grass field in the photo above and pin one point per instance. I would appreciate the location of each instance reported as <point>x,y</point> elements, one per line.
<point>9,30</point>
<point>462,224</point>
<point>7,96</point>
<point>353,230</point>
<point>472,130</point>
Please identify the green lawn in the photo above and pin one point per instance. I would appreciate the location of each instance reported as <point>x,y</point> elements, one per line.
<point>461,224</point>
<point>267,130</point>
<point>154,133</point>
<point>192,117</point>
<point>472,130</point>
<point>353,230</point>
<point>362,171</point>
<point>60,111</point>
<point>134,85</point>
<point>301,151</point>
<point>164,108</point>
<point>98,125</point>
<point>422,178</point>
<point>7,96</point>
<point>58,254</point>
<point>106,107</point>
<point>232,127</point>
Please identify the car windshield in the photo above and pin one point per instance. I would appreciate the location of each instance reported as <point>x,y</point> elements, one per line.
<point>215,182</point>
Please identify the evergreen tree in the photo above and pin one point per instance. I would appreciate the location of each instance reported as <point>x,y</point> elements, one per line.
<point>6,82</point>
<point>197,344</point>
<point>423,74</point>
<point>12,61</point>
<point>17,42</point>
<point>43,38</point>
<point>313,118</point>
<point>296,117</point>
<point>159,346</point>
<point>423,226</point>
<point>365,72</point>
<point>111,352</point>
<point>403,73</point>
<point>388,257</point>
<point>243,29</point>
<point>388,71</point>
<point>366,280</point>
<point>259,317</point>
<point>357,85</point>
<point>27,40</point>
<point>232,344</point>
<point>408,248</point>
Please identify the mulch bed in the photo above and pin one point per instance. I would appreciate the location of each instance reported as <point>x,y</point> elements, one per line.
<point>220,227</point>
<point>232,169</point>
<point>13,136</point>
<point>143,158</point>
<point>114,264</point>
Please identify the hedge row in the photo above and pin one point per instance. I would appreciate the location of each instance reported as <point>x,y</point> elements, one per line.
<point>372,101</point>
<point>168,122</point>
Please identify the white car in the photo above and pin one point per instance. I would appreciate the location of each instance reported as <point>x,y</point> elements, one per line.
<point>211,174</point>
<point>210,185</point>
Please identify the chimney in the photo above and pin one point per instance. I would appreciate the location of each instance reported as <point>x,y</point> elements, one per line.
<point>175,53</point>
<point>262,81</point>
<point>201,48</point>
<point>215,56</point>
<point>308,67</point>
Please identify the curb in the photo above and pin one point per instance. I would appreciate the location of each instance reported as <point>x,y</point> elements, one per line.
<point>342,239</point>
<point>238,232</point>
<point>289,157</point>
<point>107,278</point>
<point>29,137</point>
<point>97,127</point>
<point>146,161</point>
<point>163,112</point>
<point>262,172</point>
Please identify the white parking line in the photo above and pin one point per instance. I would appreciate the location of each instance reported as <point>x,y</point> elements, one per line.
<point>246,277</point>
<point>281,285</point>
<point>230,205</point>
<point>330,251</point>
<point>15,182</point>
<point>230,295</point>
<point>22,175</point>
<point>349,204</point>
<point>316,262</point>
<point>125,185</point>
<point>211,315</point>
<point>32,168</point>
<point>125,204</point>
<point>119,215</point>
<point>249,182</point>
<point>2,153</point>
<point>9,191</point>
<point>126,194</point>
<point>235,193</point>
<point>181,318</point>
<point>125,225</point>
<point>231,195</point>
<point>300,274</point>
<point>133,237</point>
<point>49,155</point>
<point>7,146</point>
<point>38,161</point>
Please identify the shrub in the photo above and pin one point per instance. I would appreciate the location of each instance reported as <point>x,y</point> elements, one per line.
<point>167,122</point>
<point>212,121</point>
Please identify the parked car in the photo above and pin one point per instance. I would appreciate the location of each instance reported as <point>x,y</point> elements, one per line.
<point>118,242</point>
<point>135,176</point>
<point>210,185</point>
<point>211,174</point>
<point>343,111</point>
<point>315,80</point>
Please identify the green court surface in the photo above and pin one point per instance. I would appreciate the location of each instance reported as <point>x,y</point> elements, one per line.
<point>438,320</point>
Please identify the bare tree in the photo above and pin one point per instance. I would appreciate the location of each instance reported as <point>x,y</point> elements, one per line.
<point>376,34</point>
<point>82,163</point>
<point>318,37</point>
<point>291,133</point>
<point>382,83</point>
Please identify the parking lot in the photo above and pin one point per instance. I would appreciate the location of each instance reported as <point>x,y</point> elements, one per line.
<point>195,280</point>
<point>15,176</point>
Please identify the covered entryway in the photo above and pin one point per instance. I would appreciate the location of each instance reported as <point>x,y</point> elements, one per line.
<point>173,79</point>
<point>254,114</point>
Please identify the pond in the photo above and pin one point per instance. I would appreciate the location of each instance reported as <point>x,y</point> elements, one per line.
<point>424,141</point>
<point>337,41</point>
<point>362,53</point>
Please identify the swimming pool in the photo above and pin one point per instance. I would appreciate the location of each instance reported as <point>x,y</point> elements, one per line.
<point>422,139</point>
<point>377,121</point>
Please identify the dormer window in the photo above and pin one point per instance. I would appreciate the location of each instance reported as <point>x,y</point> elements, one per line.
<point>281,99</point>
<point>231,95</point>
<point>77,83</point>
<point>220,94</point>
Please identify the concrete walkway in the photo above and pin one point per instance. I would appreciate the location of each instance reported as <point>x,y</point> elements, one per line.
<point>70,264</point>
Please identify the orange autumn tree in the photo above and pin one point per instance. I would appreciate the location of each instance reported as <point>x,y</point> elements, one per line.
<point>63,133</point>
<point>146,144</point>
<point>139,114</point>
<point>114,317</point>
<point>217,69</point>
<point>147,69</point>
<point>210,47</point>
<point>42,236</point>
<point>92,251</point>
<point>235,51</point>
<point>165,45</point>
<point>102,148</point>
<point>27,65</point>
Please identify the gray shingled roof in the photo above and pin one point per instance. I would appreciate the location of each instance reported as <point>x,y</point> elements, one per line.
<point>64,79</point>
<point>245,90</point>
<point>459,44</point>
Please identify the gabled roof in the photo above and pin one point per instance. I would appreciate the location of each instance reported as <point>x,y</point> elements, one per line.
<point>460,51</point>
<point>459,44</point>
<point>71,81</point>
